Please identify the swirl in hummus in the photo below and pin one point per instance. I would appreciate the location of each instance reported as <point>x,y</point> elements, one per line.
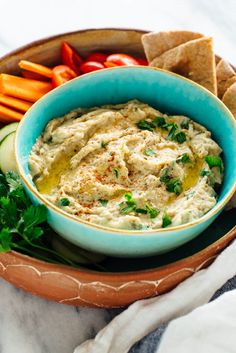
<point>128,166</point>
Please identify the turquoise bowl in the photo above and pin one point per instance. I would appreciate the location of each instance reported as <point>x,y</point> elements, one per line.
<point>163,90</point>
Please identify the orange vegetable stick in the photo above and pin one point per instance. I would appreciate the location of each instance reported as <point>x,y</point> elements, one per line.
<point>37,68</point>
<point>15,103</point>
<point>8,115</point>
<point>33,76</point>
<point>29,90</point>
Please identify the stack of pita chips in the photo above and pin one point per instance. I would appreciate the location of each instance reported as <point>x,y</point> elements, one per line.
<point>191,55</point>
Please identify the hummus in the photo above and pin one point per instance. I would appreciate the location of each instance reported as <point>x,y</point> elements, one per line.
<point>128,166</point>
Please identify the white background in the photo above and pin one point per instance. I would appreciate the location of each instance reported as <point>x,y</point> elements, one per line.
<point>22,21</point>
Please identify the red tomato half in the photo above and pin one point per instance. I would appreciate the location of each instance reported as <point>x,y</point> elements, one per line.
<point>122,60</point>
<point>62,74</point>
<point>70,57</point>
<point>97,56</point>
<point>143,62</point>
<point>90,66</point>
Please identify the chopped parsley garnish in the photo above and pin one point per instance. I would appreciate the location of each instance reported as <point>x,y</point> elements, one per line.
<point>145,125</point>
<point>214,161</point>
<point>205,173</point>
<point>153,212</point>
<point>63,202</point>
<point>165,175</point>
<point>160,122</point>
<point>185,123</point>
<point>180,137</point>
<point>104,144</point>
<point>174,185</point>
<point>184,158</point>
<point>141,210</point>
<point>116,172</point>
<point>174,128</point>
<point>130,206</point>
<point>149,152</point>
<point>103,202</point>
<point>166,220</point>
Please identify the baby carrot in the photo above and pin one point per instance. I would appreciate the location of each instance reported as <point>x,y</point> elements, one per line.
<point>15,103</point>
<point>37,68</point>
<point>8,115</point>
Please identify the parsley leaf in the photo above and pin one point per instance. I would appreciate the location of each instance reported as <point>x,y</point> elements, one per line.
<point>153,212</point>
<point>63,202</point>
<point>103,202</point>
<point>174,128</point>
<point>5,240</point>
<point>141,210</point>
<point>166,220</point>
<point>13,181</point>
<point>180,137</point>
<point>205,173</point>
<point>104,144</point>
<point>165,175</point>
<point>145,125</point>
<point>174,185</point>
<point>160,122</point>
<point>184,158</point>
<point>214,161</point>
<point>149,152</point>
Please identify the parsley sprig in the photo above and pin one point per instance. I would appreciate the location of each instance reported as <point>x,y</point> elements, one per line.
<point>130,205</point>
<point>172,184</point>
<point>23,225</point>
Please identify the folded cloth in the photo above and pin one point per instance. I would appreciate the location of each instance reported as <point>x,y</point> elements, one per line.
<point>144,316</point>
<point>210,328</point>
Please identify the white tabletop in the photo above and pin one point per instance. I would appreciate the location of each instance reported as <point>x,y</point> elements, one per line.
<point>29,324</point>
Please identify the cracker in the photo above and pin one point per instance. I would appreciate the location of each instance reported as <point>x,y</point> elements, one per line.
<point>225,76</point>
<point>229,99</point>
<point>155,44</point>
<point>194,60</point>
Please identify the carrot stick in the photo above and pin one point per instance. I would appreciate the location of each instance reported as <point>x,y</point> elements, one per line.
<point>15,103</point>
<point>29,90</point>
<point>33,76</point>
<point>37,68</point>
<point>8,115</point>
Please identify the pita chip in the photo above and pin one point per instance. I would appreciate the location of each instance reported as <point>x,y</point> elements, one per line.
<point>194,60</point>
<point>229,99</point>
<point>157,43</point>
<point>225,76</point>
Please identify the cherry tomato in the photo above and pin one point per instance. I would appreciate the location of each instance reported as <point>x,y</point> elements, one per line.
<point>90,66</point>
<point>122,60</point>
<point>62,74</point>
<point>70,57</point>
<point>143,62</point>
<point>109,64</point>
<point>97,56</point>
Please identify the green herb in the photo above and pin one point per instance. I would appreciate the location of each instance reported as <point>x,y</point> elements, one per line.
<point>130,204</point>
<point>205,173</point>
<point>160,122</point>
<point>63,202</point>
<point>214,161</point>
<point>185,123</point>
<point>183,159</point>
<point>180,137</point>
<point>116,172</point>
<point>141,210</point>
<point>104,144</point>
<point>145,125</point>
<point>165,175</point>
<point>103,202</point>
<point>174,128</point>
<point>149,152</point>
<point>166,220</point>
<point>22,224</point>
<point>174,185</point>
<point>153,212</point>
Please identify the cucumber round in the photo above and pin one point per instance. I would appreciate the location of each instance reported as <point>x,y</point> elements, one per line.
<point>7,154</point>
<point>6,130</point>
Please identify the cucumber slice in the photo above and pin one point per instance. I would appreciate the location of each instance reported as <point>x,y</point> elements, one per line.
<point>7,155</point>
<point>6,130</point>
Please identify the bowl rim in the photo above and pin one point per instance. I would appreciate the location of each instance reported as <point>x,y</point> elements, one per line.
<point>121,232</point>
